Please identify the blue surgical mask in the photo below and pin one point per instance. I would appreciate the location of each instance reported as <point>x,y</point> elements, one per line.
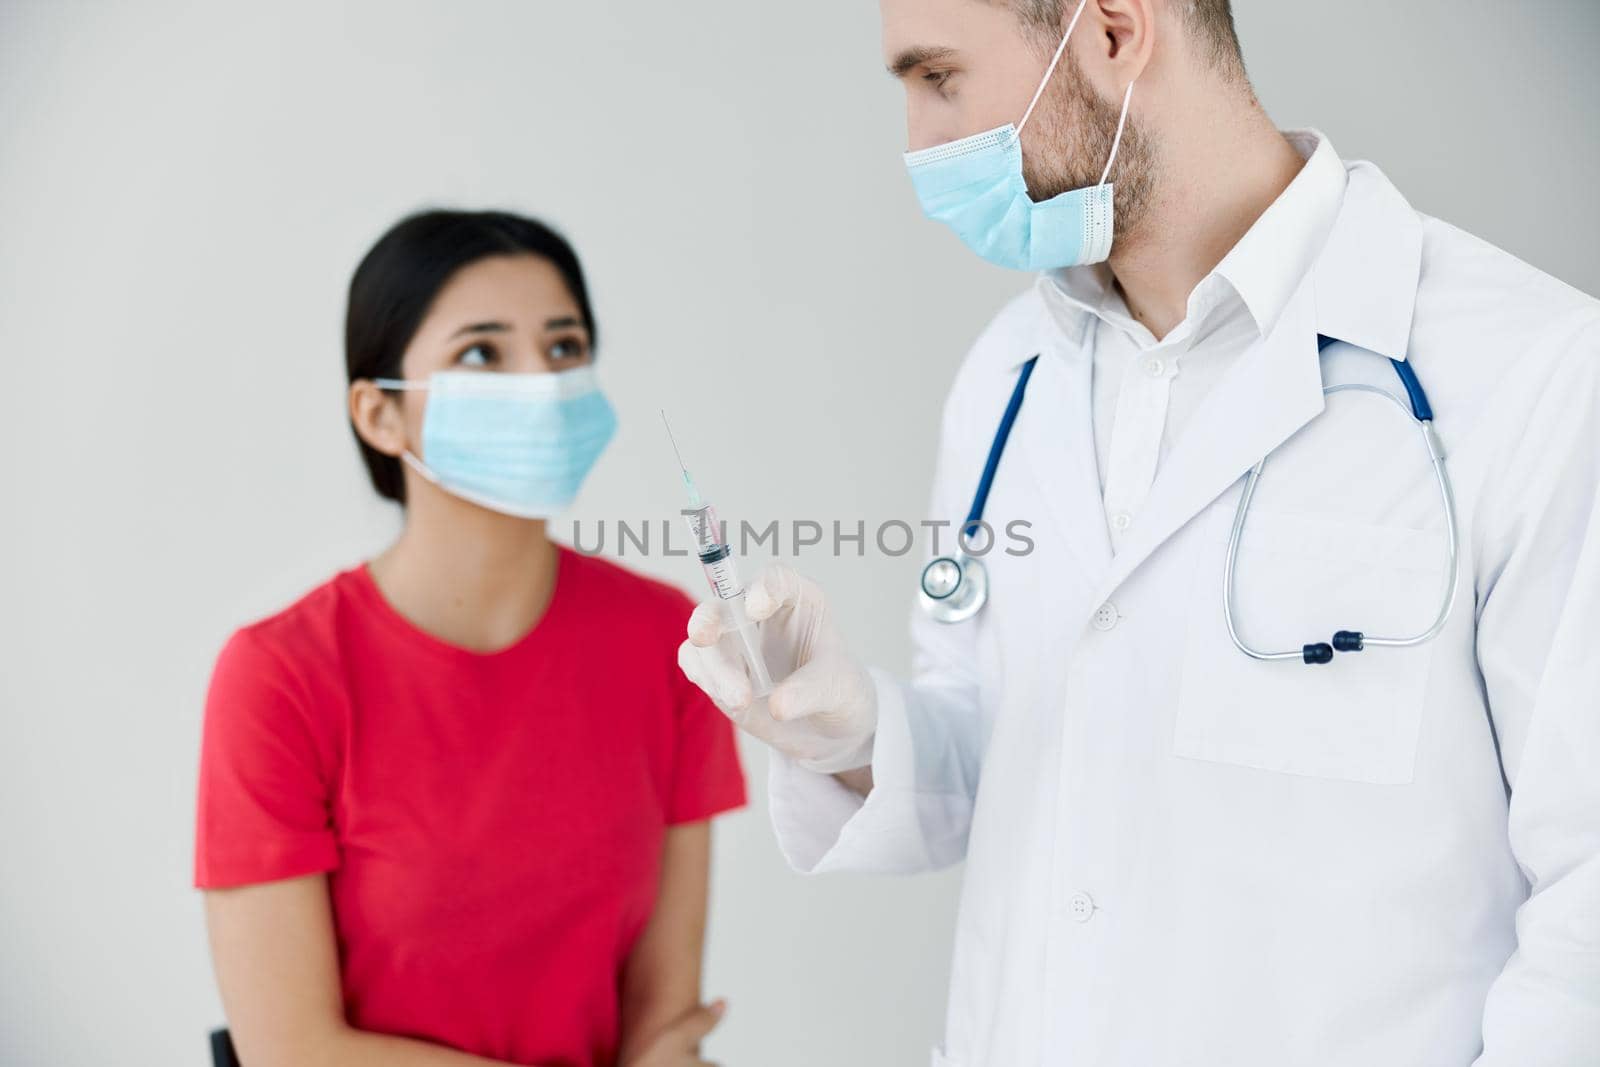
<point>519,444</point>
<point>975,186</point>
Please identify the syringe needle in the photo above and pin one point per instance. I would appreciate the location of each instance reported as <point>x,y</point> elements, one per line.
<point>718,564</point>
<point>673,440</point>
<point>688,482</point>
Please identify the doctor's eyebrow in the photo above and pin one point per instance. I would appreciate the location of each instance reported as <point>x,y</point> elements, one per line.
<point>911,58</point>
<point>563,323</point>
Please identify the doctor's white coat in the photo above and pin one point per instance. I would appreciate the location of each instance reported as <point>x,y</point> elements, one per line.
<point>1178,855</point>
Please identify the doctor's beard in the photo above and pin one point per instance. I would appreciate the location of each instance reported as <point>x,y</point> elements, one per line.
<point>1081,125</point>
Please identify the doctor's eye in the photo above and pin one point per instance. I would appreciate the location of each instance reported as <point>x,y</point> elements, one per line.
<point>478,355</point>
<point>938,79</point>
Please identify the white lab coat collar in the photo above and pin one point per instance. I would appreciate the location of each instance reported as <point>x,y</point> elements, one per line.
<point>1366,277</point>
<point>1269,393</point>
<point>1360,288</point>
<point>1262,270</point>
<point>1269,261</point>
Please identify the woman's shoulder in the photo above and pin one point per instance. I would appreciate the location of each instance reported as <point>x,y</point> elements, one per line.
<point>295,640</point>
<point>647,598</point>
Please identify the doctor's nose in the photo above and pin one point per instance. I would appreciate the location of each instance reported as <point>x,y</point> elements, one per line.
<point>923,128</point>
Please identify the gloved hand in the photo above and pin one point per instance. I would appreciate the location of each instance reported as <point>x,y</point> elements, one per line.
<point>823,708</point>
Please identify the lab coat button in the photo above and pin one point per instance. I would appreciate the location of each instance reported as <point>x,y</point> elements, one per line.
<point>1106,616</point>
<point>1121,520</point>
<point>1081,907</point>
<point>1155,368</point>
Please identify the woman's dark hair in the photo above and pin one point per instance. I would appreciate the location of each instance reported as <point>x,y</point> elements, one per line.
<point>397,281</point>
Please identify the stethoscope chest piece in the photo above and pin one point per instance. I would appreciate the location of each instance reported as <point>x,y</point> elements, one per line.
<point>954,588</point>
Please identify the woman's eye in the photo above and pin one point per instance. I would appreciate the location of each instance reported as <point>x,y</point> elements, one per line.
<point>477,356</point>
<point>568,348</point>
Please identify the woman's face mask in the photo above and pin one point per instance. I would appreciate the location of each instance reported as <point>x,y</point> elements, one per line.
<point>519,444</point>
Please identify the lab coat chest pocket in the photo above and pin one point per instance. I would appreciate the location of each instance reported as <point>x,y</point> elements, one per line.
<point>1299,579</point>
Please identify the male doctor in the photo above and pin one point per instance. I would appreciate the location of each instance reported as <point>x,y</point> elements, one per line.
<point>1177,853</point>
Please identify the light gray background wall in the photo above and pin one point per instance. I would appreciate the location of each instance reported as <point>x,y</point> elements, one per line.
<point>184,189</point>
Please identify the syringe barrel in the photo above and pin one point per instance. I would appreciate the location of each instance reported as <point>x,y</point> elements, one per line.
<point>749,646</point>
<point>705,529</point>
<point>720,573</point>
<point>714,555</point>
<point>717,561</point>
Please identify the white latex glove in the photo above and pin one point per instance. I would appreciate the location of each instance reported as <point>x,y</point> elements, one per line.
<point>823,708</point>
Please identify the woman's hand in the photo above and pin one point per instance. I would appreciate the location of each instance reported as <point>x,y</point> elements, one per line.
<point>679,1044</point>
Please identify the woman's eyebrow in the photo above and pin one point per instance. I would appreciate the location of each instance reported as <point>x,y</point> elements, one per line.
<point>563,322</point>
<point>481,327</point>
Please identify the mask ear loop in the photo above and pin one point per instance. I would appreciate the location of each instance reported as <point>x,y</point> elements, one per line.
<point>406,456</point>
<point>1051,69</point>
<point>416,464</point>
<point>1116,142</point>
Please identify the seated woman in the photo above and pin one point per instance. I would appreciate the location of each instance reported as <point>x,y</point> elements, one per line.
<point>453,803</point>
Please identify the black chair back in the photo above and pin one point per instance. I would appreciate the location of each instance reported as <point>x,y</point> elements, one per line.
<point>222,1054</point>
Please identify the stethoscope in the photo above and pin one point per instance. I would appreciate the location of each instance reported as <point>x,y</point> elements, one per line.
<point>954,588</point>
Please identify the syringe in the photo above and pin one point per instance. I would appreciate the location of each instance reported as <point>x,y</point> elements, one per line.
<point>717,560</point>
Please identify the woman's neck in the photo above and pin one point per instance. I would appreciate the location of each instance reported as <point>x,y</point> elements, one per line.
<point>466,575</point>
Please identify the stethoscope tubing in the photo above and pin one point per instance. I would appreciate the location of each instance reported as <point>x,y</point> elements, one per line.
<point>1452,533</point>
<point>969,592</point>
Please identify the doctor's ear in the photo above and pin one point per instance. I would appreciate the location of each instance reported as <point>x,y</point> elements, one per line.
<point>377,418</point>
<point>1120,33</point>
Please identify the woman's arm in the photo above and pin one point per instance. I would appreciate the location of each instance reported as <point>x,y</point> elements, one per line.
<point>661,982</point>
<point>278,969</point>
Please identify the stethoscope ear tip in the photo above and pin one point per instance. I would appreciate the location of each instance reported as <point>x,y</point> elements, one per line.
<point>1343,641</point>
<point>1349,641</point>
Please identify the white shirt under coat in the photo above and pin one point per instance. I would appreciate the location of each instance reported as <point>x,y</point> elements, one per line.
<point>1178,855</point>
<point>1143,390</point>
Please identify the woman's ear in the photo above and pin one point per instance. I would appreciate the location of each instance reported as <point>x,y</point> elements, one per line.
<point>377,418</point>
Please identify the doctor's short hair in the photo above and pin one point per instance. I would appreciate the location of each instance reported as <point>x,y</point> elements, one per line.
<point>396,283</point>
<point>1211,22</point>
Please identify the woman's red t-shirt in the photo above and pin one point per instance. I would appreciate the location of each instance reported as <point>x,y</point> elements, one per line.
<point>491,824</point>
